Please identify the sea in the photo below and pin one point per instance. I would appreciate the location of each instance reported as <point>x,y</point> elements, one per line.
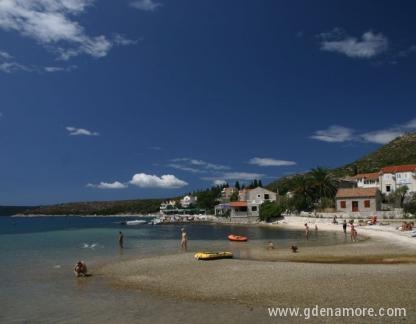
<point>38,255</point>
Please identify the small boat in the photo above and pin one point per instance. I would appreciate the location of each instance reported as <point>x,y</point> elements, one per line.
<point>155,221</point>
<point>237,238</point>
<point>213,255</point>
<point>135,222</point>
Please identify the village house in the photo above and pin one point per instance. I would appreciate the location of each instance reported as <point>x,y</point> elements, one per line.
<point>246,209</point>
<point>388,179</point>
<point>358,200</point>
<point>188,200</point>
<point>394,177</point>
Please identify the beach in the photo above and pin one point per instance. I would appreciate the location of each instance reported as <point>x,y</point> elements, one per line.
<point>378,272</point>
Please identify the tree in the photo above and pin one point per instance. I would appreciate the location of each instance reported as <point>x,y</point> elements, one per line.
<point>322,184</point>
<point>237,185</point>
<point>302,193</point>
<point>399,195</point>
<point>270,210</point>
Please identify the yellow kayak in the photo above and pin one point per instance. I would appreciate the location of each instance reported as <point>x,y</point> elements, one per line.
<point>213,255</point>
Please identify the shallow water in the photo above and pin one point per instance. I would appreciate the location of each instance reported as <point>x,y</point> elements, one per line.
<point>39,253</point>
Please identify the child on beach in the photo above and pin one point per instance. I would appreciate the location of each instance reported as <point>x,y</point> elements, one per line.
<point>307,232</point>
<point>80,269</point>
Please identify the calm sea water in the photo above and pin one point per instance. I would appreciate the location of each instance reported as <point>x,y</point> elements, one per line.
<point>38,255</point>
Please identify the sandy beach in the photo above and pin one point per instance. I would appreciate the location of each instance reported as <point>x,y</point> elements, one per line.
<point>378,271</point>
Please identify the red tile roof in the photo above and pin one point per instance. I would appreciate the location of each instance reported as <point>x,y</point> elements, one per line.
<point>238,204</point>
<point>356,192</point>
<point>399,168</point>
<point>367,176</point>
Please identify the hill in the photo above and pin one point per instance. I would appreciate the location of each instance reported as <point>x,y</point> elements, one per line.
<point>138,206</point>
<point>401,150</point>
<point>13,210</point>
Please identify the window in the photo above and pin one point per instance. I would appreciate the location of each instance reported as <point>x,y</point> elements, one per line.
<point>343,204</point>
<point>253,208</point>
<point>367,203</point>
<point>388,188</point>
<point>258,196</point>
<point>266,196</point>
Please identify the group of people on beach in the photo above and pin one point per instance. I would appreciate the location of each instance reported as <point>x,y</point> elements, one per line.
<point>80,268</point>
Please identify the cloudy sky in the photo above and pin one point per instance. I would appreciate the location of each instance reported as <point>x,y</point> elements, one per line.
<point>105,100</point>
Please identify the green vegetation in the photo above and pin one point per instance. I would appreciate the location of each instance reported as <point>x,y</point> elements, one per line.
<point>144,206</point>
<point>13,210</point>
<point>270,210</point>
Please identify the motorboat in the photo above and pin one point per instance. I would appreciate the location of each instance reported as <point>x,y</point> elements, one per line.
<point>135,222</point>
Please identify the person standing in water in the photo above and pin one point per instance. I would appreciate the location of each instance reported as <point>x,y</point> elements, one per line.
<point>120,239</point>
<point>344,226</point>
<point>307,232</point>
<point>184,240</point>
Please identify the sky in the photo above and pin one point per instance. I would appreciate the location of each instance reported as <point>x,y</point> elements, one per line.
<point>131,99</point>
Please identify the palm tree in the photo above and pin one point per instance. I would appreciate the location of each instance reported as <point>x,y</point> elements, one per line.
<point>302,193</point>
<point>323,184</point>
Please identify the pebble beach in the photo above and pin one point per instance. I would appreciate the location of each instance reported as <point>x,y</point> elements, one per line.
<point>377,271</point>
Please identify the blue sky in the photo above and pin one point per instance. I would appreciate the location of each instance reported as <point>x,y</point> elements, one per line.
<point>104,100</point>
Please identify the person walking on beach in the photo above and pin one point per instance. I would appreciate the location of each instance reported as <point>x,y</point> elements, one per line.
<point>184,240</point>
<point>120,239</point>
<point>344,226</point>
<point>353,233</point>
<point>307,232</point>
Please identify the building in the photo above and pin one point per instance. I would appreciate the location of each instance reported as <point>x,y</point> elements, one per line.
<point>388,179</point>
<point>247,208</point>
<point>358,200</point>
<point>188,200</point>
<point>394,177</point>
<point>367,180</point>
<point>226,194</point>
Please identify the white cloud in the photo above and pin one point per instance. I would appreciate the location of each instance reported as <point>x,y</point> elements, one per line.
<point>11,67</point>
<point>338,134</point>
<point>52,69</point>
<point>121,40</point>
<point>53,24</point>
<point>185,168</point>
<point>5,56</point>
<point>147,5</point>
<point>192,163</point>
<point>106,185</point>
<point>242,176</point>
<point>370,45</point>
<point>382,136</point>
<point>411,125</point>
<point>219,182</point>
<point>73,131</point>
<point>270,162</point>
<point>334,134</point>
<point>166,181</point>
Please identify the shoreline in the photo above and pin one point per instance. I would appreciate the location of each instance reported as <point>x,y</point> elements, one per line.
<point>280,277</point>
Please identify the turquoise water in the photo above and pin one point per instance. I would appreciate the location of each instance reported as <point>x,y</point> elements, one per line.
<point>38,255</point>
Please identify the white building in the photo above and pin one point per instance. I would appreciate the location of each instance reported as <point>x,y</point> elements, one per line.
<point>188,200</point>
<point>389,178</point>
<point>367,180</point>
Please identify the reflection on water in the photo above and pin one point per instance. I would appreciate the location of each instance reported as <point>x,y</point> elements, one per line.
<point>39,286</point>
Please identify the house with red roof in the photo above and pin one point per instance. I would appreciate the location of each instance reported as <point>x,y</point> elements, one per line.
<point>358,199</point>
<point>394,177</point>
